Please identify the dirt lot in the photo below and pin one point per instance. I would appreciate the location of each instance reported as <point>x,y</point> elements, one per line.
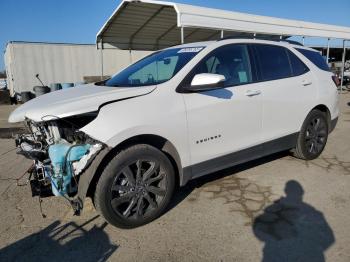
<point>276,209</point>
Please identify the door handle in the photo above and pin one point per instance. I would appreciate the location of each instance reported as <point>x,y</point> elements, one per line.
<point>252,92</point>
<point>306,82</point>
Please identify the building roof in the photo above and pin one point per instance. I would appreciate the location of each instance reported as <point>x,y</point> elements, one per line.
<point>150,25</point>
<point>46,43</point>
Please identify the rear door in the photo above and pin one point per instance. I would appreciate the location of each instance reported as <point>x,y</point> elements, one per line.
<point>287,88</point>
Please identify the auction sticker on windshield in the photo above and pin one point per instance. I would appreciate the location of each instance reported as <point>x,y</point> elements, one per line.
<point>190,50</point>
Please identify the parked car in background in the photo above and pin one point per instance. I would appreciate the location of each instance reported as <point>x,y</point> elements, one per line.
<point>176,115</point>
<point>346,79</point>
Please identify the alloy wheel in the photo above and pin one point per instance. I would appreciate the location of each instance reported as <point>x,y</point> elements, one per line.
<point>316,135</point>
<point>138,189</point>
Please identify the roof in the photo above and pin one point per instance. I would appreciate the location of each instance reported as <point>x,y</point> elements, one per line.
<point>226,41</point>
<point>150,25</point>
<point>45,43</point>
<point>331,47</point>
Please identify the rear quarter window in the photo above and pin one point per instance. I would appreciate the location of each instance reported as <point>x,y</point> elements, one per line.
<point>298,67</point>
<point>315,58</point>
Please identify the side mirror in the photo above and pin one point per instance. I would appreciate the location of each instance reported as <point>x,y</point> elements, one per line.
<point>206,81</point>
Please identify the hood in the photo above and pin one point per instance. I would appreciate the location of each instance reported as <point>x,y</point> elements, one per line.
<point>73,101</point>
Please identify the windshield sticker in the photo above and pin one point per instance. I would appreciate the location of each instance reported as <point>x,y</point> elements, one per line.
<point>190,50</point>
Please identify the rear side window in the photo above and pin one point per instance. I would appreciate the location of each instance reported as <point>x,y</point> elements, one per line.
<point>315,58</point>
<point>298,67</point>
<point>273,62</point>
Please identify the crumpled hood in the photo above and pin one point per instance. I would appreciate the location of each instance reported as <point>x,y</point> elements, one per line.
<point>73,101</point>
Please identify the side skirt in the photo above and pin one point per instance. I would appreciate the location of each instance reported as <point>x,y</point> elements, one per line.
<point>239,157</point>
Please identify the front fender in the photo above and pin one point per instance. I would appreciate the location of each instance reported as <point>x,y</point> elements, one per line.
<point>145,115</point>
<point>86,178</point>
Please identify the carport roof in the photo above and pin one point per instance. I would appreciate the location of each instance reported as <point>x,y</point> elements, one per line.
<point>150,25</point>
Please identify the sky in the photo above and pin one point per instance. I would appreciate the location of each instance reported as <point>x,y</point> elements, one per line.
<point>78,21</point>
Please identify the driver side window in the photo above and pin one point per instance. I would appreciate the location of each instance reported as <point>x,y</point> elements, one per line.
<point>231,61</point>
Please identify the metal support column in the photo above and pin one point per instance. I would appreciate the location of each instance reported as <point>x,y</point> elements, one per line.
<point>182,35</point>
<point>130,56</point>
<point>343,66</point>
<point>101,54</point>
<point>222,34</point>
<point>328,50</point>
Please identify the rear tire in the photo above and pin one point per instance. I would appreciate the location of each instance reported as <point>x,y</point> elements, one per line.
<point>313,136</point>
<point>135,187</point>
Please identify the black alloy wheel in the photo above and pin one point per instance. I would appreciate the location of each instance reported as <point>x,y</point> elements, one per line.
<point>316,135</point>
<point>138,189</point>
<point>135,187</point>
<point>313,136</point>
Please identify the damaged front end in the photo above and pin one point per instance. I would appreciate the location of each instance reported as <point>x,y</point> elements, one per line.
<point>61,153</point>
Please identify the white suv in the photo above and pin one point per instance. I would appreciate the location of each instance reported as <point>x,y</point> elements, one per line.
<point>175,115</point>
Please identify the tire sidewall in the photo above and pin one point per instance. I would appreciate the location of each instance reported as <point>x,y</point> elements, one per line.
<point>125,157</point>
<point>301,143</point>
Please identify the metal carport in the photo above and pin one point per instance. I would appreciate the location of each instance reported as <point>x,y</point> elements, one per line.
<point>152,25</point>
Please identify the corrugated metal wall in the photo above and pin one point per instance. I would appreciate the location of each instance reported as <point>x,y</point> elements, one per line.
<point>115,59</point>
<point>59,63</point>
<point>8,68</point>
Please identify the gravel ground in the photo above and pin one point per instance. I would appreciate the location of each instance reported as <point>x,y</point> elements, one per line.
<point>274,209</point>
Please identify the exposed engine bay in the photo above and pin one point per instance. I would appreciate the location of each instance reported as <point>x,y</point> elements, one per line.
<point>60,153</point>
<point>66,159</point>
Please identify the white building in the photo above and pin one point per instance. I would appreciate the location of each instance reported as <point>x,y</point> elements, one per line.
<point>60,63</point>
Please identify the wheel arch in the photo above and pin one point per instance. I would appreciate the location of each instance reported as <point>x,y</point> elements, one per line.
<point>157,141</point>
<point>323,108</point>
<point>301,149</point>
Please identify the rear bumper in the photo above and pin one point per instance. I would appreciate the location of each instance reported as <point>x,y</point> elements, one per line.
<point>333,124</point>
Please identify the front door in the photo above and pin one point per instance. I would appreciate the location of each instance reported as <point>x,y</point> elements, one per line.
<point>226,120</point>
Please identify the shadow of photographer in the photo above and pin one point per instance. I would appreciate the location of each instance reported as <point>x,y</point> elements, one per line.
<point>292,229</point>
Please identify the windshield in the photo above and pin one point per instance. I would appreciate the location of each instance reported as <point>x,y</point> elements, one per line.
<point>154,69</point>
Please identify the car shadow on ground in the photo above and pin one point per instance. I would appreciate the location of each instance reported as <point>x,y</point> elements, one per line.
<point>183,192</point>
<point>62,242</point>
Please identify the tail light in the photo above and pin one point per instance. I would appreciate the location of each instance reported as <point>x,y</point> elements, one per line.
<point>336,80</point>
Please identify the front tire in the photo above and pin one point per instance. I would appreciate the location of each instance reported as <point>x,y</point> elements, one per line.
<point>135,187</point>
<point>313,136</point>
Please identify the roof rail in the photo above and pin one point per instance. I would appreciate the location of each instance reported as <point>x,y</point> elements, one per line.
<point>262,38</point>
<point>245,37</point>
<point>292,42</point>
